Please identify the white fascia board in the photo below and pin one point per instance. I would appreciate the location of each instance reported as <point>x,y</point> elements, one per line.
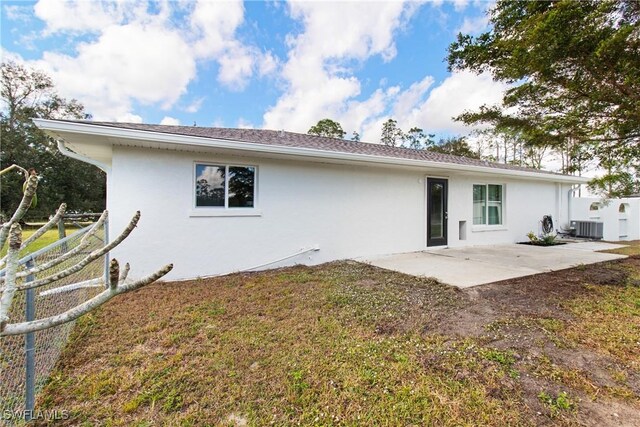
<point>207,142</point>
<point>83,158</point>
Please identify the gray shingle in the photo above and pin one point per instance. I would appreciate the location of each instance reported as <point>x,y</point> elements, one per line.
<point>291,139</point>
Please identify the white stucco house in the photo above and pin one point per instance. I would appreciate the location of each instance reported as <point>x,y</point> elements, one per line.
<point>215,200</point>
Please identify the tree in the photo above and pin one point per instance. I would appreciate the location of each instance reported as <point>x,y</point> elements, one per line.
<point>328,128</point>
<point>574,67</point>
<point>615,184</point>
<point>417,139</point>
<point>391,133</point>
<point>9,283</point>
<point>28,94</point>
<point>456,146</point>
<point>507,145</point>
<point>355,137</point>
<point>622,177</point>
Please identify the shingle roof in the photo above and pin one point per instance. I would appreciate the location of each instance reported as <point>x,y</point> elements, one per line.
<point>291,139</point>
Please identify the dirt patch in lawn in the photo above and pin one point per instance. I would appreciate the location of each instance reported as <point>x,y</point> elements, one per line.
<point>537,296</point>
<point>346,343</point>
<point>547,322</point>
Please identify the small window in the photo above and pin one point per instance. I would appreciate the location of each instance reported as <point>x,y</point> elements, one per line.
<point>487,204</point>
<point>224,186</point>
<point>622,208</point>
<point>594,206</point>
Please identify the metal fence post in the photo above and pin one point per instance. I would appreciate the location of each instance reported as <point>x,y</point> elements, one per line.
<point>61,231</point>
<point>27,360</point>
<point>29,347</point>
<point>106,256</point>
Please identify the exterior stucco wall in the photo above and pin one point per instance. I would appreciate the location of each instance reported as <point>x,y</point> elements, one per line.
<point>526,202</point>
<point>347,211</point>
<point>617,226</point>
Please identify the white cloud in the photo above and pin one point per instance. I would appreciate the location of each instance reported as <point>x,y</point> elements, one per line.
<point>16,12</point>
<point>213,176</point>
<point>350,29</point>
<point>7,55</point>
<point>239,63</point>
<point>424,104</point>
<point>244,124</point>
<point>474,25</point>
<point>407,100</point>
<point>366,117</point>
<point>195,105</point>
<point>268,64</point>
<point>126,63</point>
<point>236,67</point>
<point>459,92</point>
<point>319,81</point>
<point>140,54</point>
<point>433,107</point>
<point>78,16</point>
<point>215,22</point>
<point>170,121</point>
<point>436,3</point>
<point>217,123</point>
<point>460,5</point>
<point>128,118</point>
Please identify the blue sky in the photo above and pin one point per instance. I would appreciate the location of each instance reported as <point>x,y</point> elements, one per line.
<point>278,65</point>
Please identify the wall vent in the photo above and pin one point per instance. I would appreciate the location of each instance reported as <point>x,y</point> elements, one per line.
<point>589,229</point>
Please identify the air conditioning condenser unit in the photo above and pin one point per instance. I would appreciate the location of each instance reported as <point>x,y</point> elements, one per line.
<point>589,229</point>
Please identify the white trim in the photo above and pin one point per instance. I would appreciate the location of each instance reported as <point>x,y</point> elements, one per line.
<point>447,177</point>
<point>64,150</point>
<point>222,212</point>
<point>503,208</point>
<point>481,228</point>
<point>425,204</point>
<point>55,126</point>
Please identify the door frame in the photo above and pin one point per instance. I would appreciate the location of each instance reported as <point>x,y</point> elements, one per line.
<point>444,241</point>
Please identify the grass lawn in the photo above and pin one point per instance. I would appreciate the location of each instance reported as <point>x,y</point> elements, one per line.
<point>350,344</point>
<point>46,239</point>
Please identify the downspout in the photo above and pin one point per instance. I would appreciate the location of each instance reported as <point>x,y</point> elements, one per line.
<point>64,150</point>
<point>570,194</point>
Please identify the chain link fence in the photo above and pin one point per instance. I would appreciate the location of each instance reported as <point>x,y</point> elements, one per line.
<point>26,361</point>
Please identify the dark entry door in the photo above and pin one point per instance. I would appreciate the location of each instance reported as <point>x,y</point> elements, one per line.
<point>436,212</point>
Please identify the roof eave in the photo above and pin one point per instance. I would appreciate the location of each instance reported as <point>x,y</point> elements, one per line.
<point>55,126</point>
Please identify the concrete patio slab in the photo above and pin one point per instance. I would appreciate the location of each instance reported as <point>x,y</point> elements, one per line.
<point>477,265</point>
<point>592,246</point>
